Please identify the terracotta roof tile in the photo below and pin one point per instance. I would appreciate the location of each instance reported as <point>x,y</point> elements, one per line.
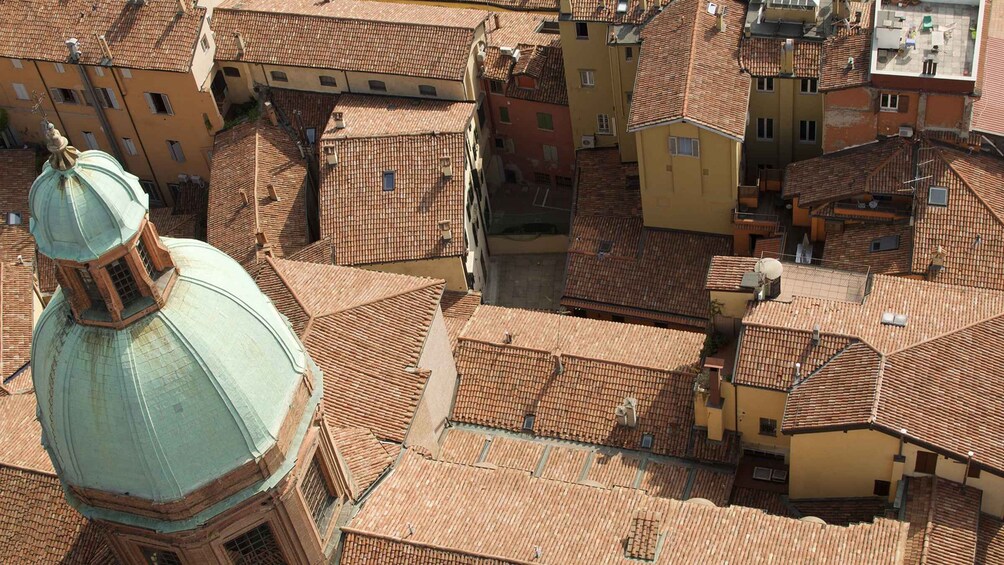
<point>988,109</point>
<point>497,514</point>
<point>688,70</point>
<point>458,307</point>
<point>387,116</point>
<point>842,392</point>
<point>168,224</point>
<point>834,71</point>
<point>21,434</point>
<point>544,64</point>
<point>643,537</point>
<point>990,542</point>
<point>636,12</point>
<point>463,446</point>
<point>365,456</point>
<point>667,481</point>
<point>247,159</point>
<point>761,57</point>
<point>767,356</point>
<point>20,171</point>
<point>842,511</point>
<point>363,329</point>
<point>16,318</point>
<point>360,36</point>
<point>944,518</point>
<point>853,245</point>
<point>303,109</point>
<point>38,526</point>
<point>712,485</point>
<point>321,251</point>
<point>769,501</point>
<point>372,225</point>
<point>151,35</point>
<point>522,28</point>
<point>881,167</point>
<point>726,273</point>
<point>514,454</point>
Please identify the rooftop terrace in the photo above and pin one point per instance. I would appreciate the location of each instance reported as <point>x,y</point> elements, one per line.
<point>932,39</point>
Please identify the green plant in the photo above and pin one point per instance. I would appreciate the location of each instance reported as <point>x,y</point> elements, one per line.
<point>702,381</point>
<point>713,341</point>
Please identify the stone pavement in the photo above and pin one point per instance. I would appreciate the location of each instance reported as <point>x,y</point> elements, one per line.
<point>527,281</point>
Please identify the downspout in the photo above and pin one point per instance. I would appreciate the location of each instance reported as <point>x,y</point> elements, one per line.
<point>55,109</point>
<point>139,140</point>
<point>100,111</point>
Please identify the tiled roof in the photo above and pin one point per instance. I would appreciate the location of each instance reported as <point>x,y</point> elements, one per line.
<point>767,356</point>
<point>521,28</point>
<point>458,307</point>
<point>726,273</point>
<point>364,329</point>
<point>16,317</point>
<point>880,167</point>
<point>321,251</point>
<point>944,521</point>
<point>687,70</point>
<point>544,64</point>
<point>572,373</point>
<point>379,37</point>
<point>637,11</point>
<point>852,245</point>
<point>304,109</point>
<point>21,435</point>
<point>842,511</point>
<point>387,116</point>
<point>151,35</point>
<point>834,71</point>
<point>183,226</point>
<point>372,225</point>
<point>18,166</point>
<point>498,514</point>
<point>988,109</point>
<point>365,456</point>
<point>247,159</point>
<point>843,390</point>
<point>761,57</point>
<point>990,541</point>
<point>38,526</point>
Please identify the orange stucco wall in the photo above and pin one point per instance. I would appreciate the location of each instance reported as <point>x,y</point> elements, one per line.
<point>945,111</point>
<point>848,118</point>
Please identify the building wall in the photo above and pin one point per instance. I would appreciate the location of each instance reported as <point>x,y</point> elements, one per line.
<point>622,73</point>
<point>437,399</point>
<point>476,208</point>
<point>194,121</point>
<point>756,403</point>
<point>450,269</point>
<point>787,106</point>
<point>688,193</point>
<point>527,153</point>
<point>586,102</point>
<point>850,118</point>
<point>944,111</point>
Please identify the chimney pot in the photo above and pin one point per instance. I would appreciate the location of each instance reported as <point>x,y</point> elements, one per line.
<point>339,120</point>
<point>182,7</point>
<point>444,228</point>
<point>244,197</point>
<point>272,193</point>
<point>273,118</point>
<point>446,166</point>
<point>240,43</point>
<point>507,337</point>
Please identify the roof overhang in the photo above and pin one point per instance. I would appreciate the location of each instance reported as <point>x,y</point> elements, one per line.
<point>682,120</point>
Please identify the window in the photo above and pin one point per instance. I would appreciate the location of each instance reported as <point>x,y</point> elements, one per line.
<point>20,91</point>
<point>528,422</point>
<point>318,496</point>
<point>587,77</point>
<point>106,97</point>
<point>311,134</point>
<point>174,147</point>
<point>388,181</point>
<point>205,43</point>
<point>563,181</point>
<point>526,82</point>
<point>496,86</point>
<point>123,281</point>
<point>65,96</point>
<point>807,131</point>
<point>768,427</point>
<point>90,140</point>
<point>130,147</point>
<point>13,218</point>
<point>629,53</point>
<point>499,143</point>
<point>581,30</point>
<point>59,67</point>
<point>327,80</point>
<point>550,153</point>
<point>377,86</point>
<point>91,289</point>
<point>158,103</point>
<point>541,178</point>
<point>504,115</point>
<point>887,243</point>
<point>603,124</point>
<point>881,488</point>
<point>686,146</point>
<point>927,462</point>
<point>937,196</point>
<point>809,86</point>
<point>279,76</point>
<point>662,325</point>
<point>17,63</point>
<point>426,90</point>
<point>629,96</point>
<point>99,71</point>
<point>605,246</point>
<point>765,84</point>
<point>126,73</point>
<point>765,129</point>
<point>145,258</point>
<point>231,71</point>
<point>545,121</point>
<point>646,441</point>
<point>255,546</point>
<point>889,102</point>
<point>153,556</point>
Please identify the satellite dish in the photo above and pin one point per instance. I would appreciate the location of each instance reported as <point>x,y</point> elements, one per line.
<point>769,267</point>
<point>873,204</point>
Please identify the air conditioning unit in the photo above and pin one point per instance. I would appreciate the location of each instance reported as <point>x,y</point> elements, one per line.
<point>182,178</point>
<point>330,155</point>
<point>627,413</point>
<point>588,141</point>
<point>197,181</point>
<point>507,51</point>
<point>905,131</point>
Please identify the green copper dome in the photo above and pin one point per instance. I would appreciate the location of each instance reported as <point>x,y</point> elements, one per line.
<point>84,207</point>
<point>177,399</point>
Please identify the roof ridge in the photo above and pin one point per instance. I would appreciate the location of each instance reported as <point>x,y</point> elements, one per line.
<point>767,326</point>
<point>3,375</point>
<point>873,417</point>
<point>970,325</point>
<point>254,186</point>
<point>237,10</point>
<point>431,282</point>
<point>567,355</point>
<point>27,469</point>
<point>270,261</point>
<point>690,60</point>
<point>892,155</point>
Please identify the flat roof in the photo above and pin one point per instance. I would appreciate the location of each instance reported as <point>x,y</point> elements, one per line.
<point>928,39</point>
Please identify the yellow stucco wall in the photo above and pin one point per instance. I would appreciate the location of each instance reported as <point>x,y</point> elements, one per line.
<point>437,398</point>
<point>688,193</point>
<point>622,74</point>
<point>586,102</point>
<point>839,464</point>
<point>787,106</point>
<point>733,304</point>
<point>756,403</point>
<point>450,269</point>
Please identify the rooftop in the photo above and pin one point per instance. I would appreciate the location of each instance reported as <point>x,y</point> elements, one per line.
<point>930,39</point>
<point>762,56</point>
<point>543,64</point>
<point>367,116</point>
<point>303,109</point>
<point>258,186</point>
<point>458,307</point>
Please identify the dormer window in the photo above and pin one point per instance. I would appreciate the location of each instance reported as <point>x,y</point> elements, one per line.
<point>145,257</point>
<point>123,281</point>
<point>13,218</point>
<point>91,289</point>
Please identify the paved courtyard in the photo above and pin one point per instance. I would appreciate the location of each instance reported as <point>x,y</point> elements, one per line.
<point>527,281</point>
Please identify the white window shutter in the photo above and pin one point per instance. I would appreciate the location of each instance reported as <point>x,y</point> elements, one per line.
<point>167,104</point>
<point>21,91</point>
<point>149,102</point>
<point>112,98</point>
<point>697,147</point>
<point>57,96</point>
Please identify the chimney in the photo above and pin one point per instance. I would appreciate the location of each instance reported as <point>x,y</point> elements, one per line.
<point>74,46</point>
<point>446,166</point>
<point>272,193</point>
<point>244,197</point>
<point>507,337</point>
<point>273,118</point>
<point>937,261</point>
<point>339,120</point>
<point>720,18</point>
<point>788,57</point>
<point>627,413</point>
<point>495,18</point>
<point>330,155</point>
<point>713,366</point>
<point>103,44</point>
<point>182,7</point>
<point>444,228</point>
<point>815,334</point>
<point>240,44</point>
<point>850,63</point>
<point>261,239</point>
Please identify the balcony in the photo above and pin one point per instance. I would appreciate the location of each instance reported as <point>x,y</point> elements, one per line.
<point>766,224</point>
<point>874,210</point>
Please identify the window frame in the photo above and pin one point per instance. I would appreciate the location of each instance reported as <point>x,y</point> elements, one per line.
<point>548,119</point>
<point>204,42</point>
<point>581,30</point>
<point>942,190</point>
<point>803,130</point>
<point>884,243</point>
<point>504,116</point>
<point>175,150</point>
<point>768,427</point>
<point>765,84</point>
<point>129,145</point>
<point>165,101</point>
<point>496,86</point>
<point>377,85</point>
<point>332,82</point>
<point>233,72</point>
<point>809,86</point>
<point>384,177</point>
<point>550,152</point>
<point>19,89</point>
<point>587,78</point>
<point>628,53</point>
<point>91,141</point>
<point>16,63</point>
<point>602,129</point>
<point>925,459</point>
<point>765,129</point>
<point>888,102</point>
<point>676,144</point>
<point>428,87</point>
<point>278,76</point>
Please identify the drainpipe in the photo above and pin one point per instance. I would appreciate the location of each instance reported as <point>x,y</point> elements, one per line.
<point>62,126</point>
<point>139,140</point>
<point>100,111</point>
<point>969,464</point>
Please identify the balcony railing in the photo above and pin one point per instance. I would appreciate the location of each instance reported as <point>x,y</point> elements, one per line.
<point>879,211</point>
<point>751,221</point>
